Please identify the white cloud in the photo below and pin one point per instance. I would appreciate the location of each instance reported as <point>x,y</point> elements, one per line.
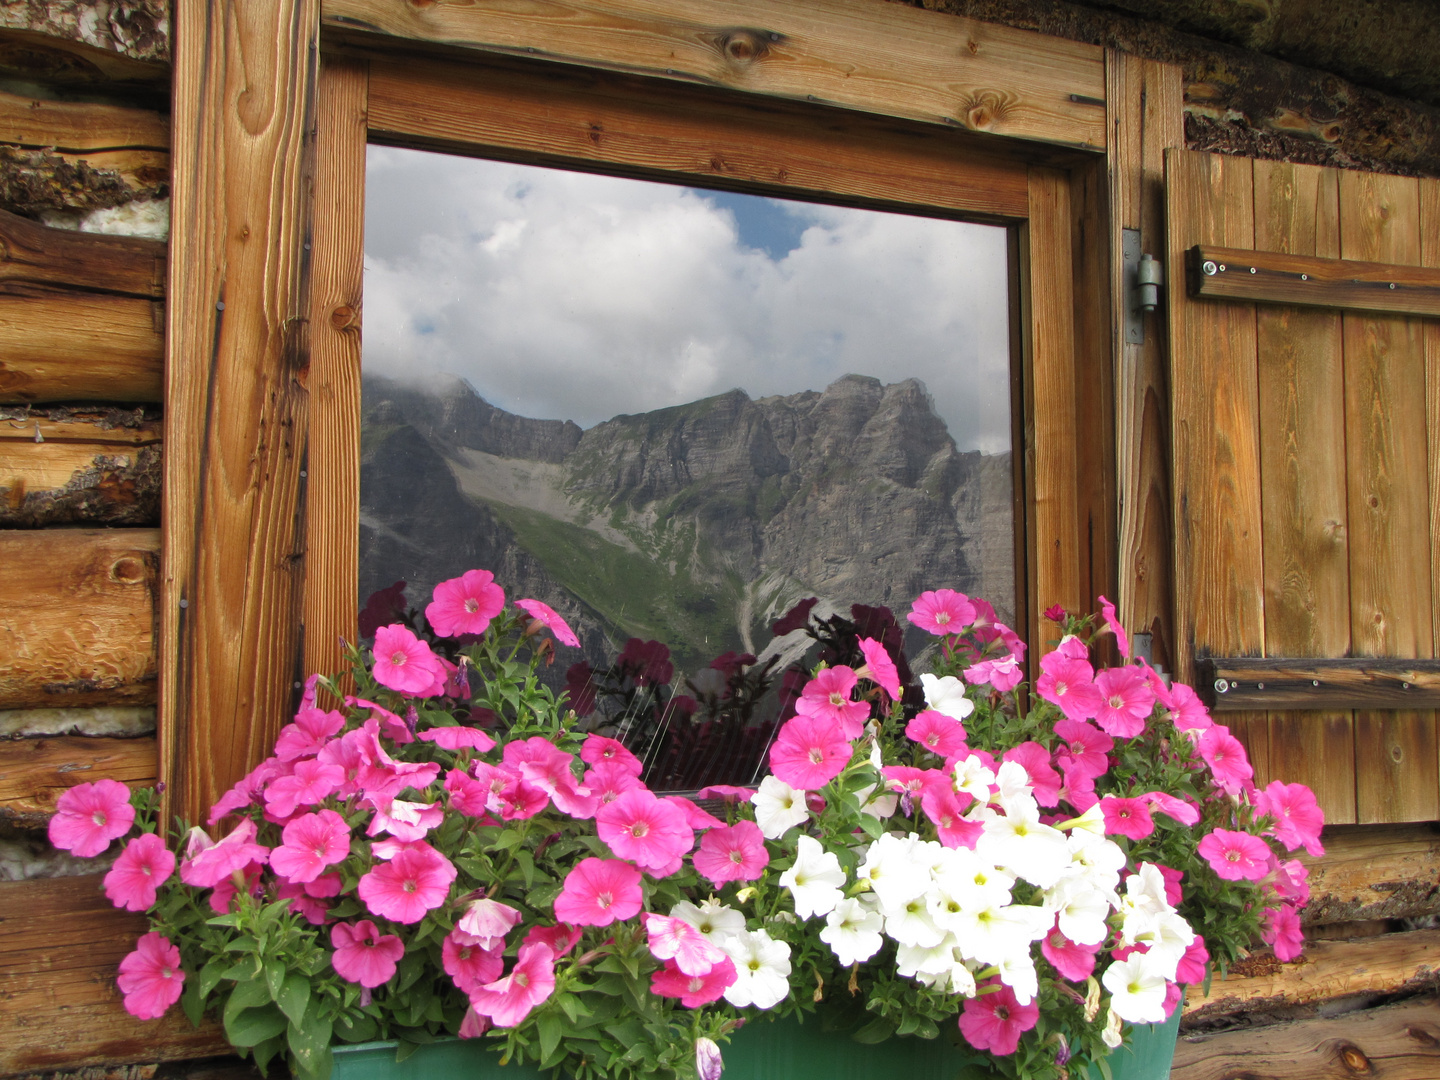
<point>570,295</point>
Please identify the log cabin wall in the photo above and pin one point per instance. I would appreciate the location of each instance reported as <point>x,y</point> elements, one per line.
<point>84,181</point>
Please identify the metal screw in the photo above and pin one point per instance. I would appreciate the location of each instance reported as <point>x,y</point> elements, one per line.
<point>1259,686</point>
<point>1314,682</point>
<point>1405,686</point>
<point>1392,284</point>
<point>1304,277</point>
<point>184,603</point>
<point>219,305</point>
<point>1252,270</point>
<point>1221,686</point>
<point>1222,268</point>
<point>1208,268</point>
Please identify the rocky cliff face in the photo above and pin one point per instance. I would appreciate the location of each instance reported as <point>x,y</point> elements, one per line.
<point>696,524</point>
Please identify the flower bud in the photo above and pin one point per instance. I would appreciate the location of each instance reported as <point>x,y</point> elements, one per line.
<point>708,1065</point>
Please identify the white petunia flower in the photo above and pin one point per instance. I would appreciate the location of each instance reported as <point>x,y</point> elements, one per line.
<point>912,924</point>
<point>1019,842</point>
<point>1017,971</point>
<point>974,778</point>
<point>947,695</point>
<point>1137,988</point>
<point>815,881</point>
<point>711,918</point>
<point>762,969</point>
<point>1111,1036</point>
<point>894,874</point>
<point>778,807</point>
<point>1083,913</point>
<point>853,932</point>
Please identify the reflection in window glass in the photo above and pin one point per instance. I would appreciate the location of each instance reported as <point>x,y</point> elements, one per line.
<point>672,414</point>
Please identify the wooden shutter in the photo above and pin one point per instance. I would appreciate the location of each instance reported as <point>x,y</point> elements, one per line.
<point>1305,470</point>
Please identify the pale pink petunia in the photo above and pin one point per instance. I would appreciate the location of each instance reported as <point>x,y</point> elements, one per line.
<point>1225,755</point>
<point>1298,818</point>
<point>1035,760</point>
<point>732,853</point>
<point>879,668</point>
<point>312,781</point>
<point>644,829</point>
<point>310,843</point>
<point>404,663</point>
<point>547,616</point>
<point>1069,682</point>
<point>938,733</point>
<point>486,922</point>
<point>473,1025</point>
<point>403,819</point>
<point>543,764</point>
<point>1235,856</point>
<point>697,817</point>
<point>1126,701</point>
<point>560,939</point>
<point>144,865</point>
<point>995,1021</point>
<point>730,793</point>
<point>675,939</point>
<point>310,731</point>
<point>383,720</point>
<point>364,955</point>
<point>608,780</point>
<point>941,612</point>
<point>470,965</point>
<point>598,750</point>
<point>151,977</point>
<point>1127,817</point>
<point>508,1001</point>
<point>409,885</point>
<point>1122,640</point>
<point>458,737</point>
<point>598,892</point>
<point>247,791</point>
<point>1003,673</point>
<point>1282,933</point>
<point>808,753</point>
<point>88,816</point>
<point>1085,746</point>
<point>465,605</point>
<point>1184,812</point>
<point>693,990</point>
<point>1072,961</point>
<point>213,864</point>
<point>827,697</point>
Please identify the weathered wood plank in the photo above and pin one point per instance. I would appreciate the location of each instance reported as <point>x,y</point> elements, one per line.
<point>78,127</point>
<point>238,353</point>
<point>59,1007</point>
<point>858,54</point>
<point>1264,276</point>
<point>1430,256</point>
<point>1146,110</point>
<point>1215,434</point>
<point>1326,970</point>
<point>127,265</point>
<point>36,772</point>
<point>94,426</point>
<point>560,117</point>
<point>1284,683</point>
<point>1389,513</point>
<point>1397,1042</point>
<point>58,345</point>
<point>78,623</point>
<point>63,483</point>
<point>1374,872</point>
<point>332,523</point>
<point>35,182</point>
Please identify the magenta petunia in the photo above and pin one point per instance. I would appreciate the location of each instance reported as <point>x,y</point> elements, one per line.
<point>144,865</point>
<point>1194,964</point>
<point>1225,755</point>
<point>309,785</point>
<point>543,764</point>
<point>1127,817</point>
<point>1282,933</point>
<point>246,791</point>
<point>1182,811</point>
<point>879,668</point>
<point>1085,747</point>
<point>364,955</point>
<point>608,780</point>
<point>1072,961</point>
<point>1126,701</point>
<point>827,697</point>
<point>1236,856</point>
<point>151,977</point>
<point>1069,682</point>
<point>560,939</point>
<point>730,793</point>
<point>405,888</point>
<point>1112,623</point>
<point>597,750</point>
<point>88,816</point>
<point>465,605</point>
<point>646,830</point>
<point>693,990</point>
<point>941,612</point>
<point>508,1001</point>
<point>547,616</point>
<point>310,731</point>
<point>405,664</point>
<point>209,864</point>
<point>995,1020</point>
<point>458,737</point>
<point>946,808</point>
<point>1298,818</point>
<point>598,892</point>
<point>1035,760</point>
<point>471,966</point>
<point>732,853</point>
<point>309,844</point>
<point>1003,673</point>
<point>808,753</point>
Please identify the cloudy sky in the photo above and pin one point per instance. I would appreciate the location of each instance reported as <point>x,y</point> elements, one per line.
<point>572,296</point>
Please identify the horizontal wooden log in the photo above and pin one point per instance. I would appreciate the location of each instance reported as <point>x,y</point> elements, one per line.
<point>1324,971</point>
<point>1396,1042</point>
<point>1374,872</point>
<point>35,182</point>
<point>34,773</point>
<point>1272,277</point>
<point>61,943</point>
<point>62,346</point>
<point>91,721</point>
<point>79,127</point>
<point>74,483</point>
<point>858,54</point>
<point>93,425</point>
<point>127,265</point>
<point>1232,684</point>
<point>133,31</point>
<point>78,623</point>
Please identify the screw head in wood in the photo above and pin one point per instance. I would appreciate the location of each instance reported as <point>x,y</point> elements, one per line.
<point>1314,682</point>
<point>1221,686</point>
<point>1252,270</point>
<point>1259,686</point>
<point>1304,277</point>
<point>1392,284</point>
<point>1208,268</point>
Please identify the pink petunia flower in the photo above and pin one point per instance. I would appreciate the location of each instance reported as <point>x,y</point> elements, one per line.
<point>209,864</point>
<point>309,844</point>
<point>608,780</point>
<point>646,830</point>
<point>1035,760</point>
<point>1126,701</point>
<point>938,733</point>
<point>1298,819</point>
<point>1236,856</point>
<point>1069,682</point>
<point>402,819</point>
<point>1282,933</point>
<point>808,753</point>
<point>310,731</point>
<point>458,737</point>
<point>144,865</point>
<point>1292,882</point>
<point>404,663</point>
<point>697,817</point>
<point>995,1021</point>
<point>1074,962</point>
<point>311,782</point>
<point>471,966</point>
<point>1167,804</point>
<point>733,853</point>
<point>598,750</point>
<point>302,903</point>
<point>151,978</point>
<point>693,990</point>
<point>1174,894</point>
<point>827,697</point>
<point>675,939</point>
<point>560,939</point>
<point>225,890</point>
<point>509,1000</point>
<point>383,721</point>
<point>88,816</point>
<point>1122,640</point>
<point>1193,965</point>
<point>1003,673</point>
<point>946,808</point>
<point>879,668</point>
<point>942,612</point>
<point>486,922</point>
<point>1127,817</point>
<point>1225,755</point>
<point>1187,711</point>
<point>464,605</point>
<point>1085,746</point>
<point>246,791</point>
<point>363,955</point>
<point>543,764</point>
<point>599,892</point>
<point>546,615</point>
<point>730,793</point>
<point>405,888</point>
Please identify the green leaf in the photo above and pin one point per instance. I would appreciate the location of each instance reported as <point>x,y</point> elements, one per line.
<point>551,1029</point>
<point>193,1001</point>
<point>246,995</point>
<point>310,1041</point>
<point>294,995</point>
<point>251,1027</point>
<point>361,1029</point>
<point>274,978</point>
<point>210,976</point>
<point>876,1031</point>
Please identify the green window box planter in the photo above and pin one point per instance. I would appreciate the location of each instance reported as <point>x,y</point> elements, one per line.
<point>785,1050</point>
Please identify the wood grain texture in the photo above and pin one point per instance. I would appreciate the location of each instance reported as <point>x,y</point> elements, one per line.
<point>1302,483</point>
<point>1397,1042</point>
<point>1287,683</point>
<point>1430,256</point>
<point>1326,970</point>
<point>95,427</point>
<point>61,345</point>
<point>1146,110</point>
<point>36,772</point>
<point>59,1007</point>
<point>1215,434</point>
<point>32,253</point>
<point>858,54</point>
<point>332,523</point>
<point>1389,513</point>
<point>78,623</point>
<point>77,126</point>
<point>64,483</point>
<point>238,354</point>
<point>1374,872</point>
<point>561,117</point>
<point>1269,277</point>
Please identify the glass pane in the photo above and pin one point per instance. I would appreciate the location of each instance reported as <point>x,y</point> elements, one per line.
<point>672,414</point>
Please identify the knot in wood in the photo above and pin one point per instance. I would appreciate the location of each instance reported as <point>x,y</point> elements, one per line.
<point>342,317</point>
<point>981,112</point>
<point>742,45</point>
<point>1354,1059</point>
<point>128,570</point>
<point>1421,1036</point>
